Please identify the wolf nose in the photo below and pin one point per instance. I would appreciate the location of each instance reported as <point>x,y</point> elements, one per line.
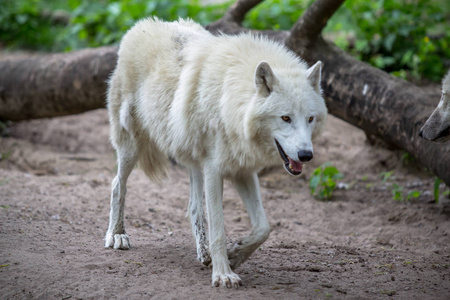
<point>305,155</point>
<point>421,133</point>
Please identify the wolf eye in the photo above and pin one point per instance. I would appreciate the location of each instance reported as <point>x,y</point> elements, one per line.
<point>311,119</point>
<point>286,119</point>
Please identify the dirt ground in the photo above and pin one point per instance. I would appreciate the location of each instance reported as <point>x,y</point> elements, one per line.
<point>55,179</point>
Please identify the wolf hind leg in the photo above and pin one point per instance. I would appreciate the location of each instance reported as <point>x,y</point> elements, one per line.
<point>248,189</point>
<point>197,217</point>
<point>127,155</point>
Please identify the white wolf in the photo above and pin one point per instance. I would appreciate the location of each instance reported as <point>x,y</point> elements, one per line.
<point>223,106</point>
<point>437,127</point>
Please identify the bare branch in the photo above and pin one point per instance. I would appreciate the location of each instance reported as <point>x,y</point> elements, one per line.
<point>233,18</point>
<point>238,10</point>
<point>311,24</point>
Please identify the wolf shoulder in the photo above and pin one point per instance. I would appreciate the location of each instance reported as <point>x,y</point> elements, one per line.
<point>152,45</point>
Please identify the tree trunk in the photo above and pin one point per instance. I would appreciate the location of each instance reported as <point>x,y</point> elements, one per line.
<point>358,93</point>
<point>55,85</point>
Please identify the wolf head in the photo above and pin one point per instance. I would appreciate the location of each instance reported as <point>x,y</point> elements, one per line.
<point>437,127</point>
<point>288,112</point>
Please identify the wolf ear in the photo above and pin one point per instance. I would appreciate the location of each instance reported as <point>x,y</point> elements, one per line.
<point>264,79</point>
<point>314,74</point>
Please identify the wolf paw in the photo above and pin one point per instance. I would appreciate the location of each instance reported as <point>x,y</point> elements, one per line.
<point>237,255</point>
<point>228,280</point>
<point>205,259</point>
<point>203,256</point>
<point>117,241</point>
<point>235,259</point>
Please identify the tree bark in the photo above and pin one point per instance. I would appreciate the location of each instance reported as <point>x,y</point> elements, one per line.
<point>356,92</point>
<point>55,85</point>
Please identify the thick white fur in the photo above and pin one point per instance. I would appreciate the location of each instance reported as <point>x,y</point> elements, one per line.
<point>437,127</point>
<point>214,104</point>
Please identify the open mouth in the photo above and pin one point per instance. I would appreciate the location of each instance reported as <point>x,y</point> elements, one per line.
<point>293,167</point>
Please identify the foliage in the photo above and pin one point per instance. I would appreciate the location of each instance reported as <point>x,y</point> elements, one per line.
<point>398,191</point>
<point>406,38</point>
<point>436,189</point>
<point>323,181</point>
<point>437,182</point>
<point>385,176</point>
<point>399,36</point>
<point>98,23</point>
<point>276,14</point>
<point>26,24</point>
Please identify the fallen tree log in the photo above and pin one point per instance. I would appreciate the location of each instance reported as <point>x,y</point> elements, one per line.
<point>55,85</point>
<point>356,92</point>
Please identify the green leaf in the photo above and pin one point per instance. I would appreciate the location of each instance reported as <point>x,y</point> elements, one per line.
<point>389,41</point>
<point>314,183</point>
<point>397,192</point>
<point>413,194</point>
<point>437,183</point>
<point>323,180</point>
<point>386,175</point>
<point>330,171</point>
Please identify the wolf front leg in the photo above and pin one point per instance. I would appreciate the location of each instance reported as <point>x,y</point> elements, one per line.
<point>222,274</point>
<point>116,236</point>
<point>196,215</point>
<point>248,189</point>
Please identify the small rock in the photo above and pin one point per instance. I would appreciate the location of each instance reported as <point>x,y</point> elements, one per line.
<point>343,186</point>
<point>314,269</point>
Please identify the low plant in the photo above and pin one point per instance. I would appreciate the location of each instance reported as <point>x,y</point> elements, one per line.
<point>385,176</point>
<point>398,191</point>
<point>436,189</point>
<point>437,183</point>
<point>323,181</point>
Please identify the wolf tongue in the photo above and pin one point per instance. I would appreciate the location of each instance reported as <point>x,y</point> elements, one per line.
<point>296,166</point>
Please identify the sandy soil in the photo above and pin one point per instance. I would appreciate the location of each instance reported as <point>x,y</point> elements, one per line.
<point>54,200</point>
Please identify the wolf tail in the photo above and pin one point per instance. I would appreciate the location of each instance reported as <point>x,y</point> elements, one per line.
<point>127,134</point>
<point>152,161</point>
